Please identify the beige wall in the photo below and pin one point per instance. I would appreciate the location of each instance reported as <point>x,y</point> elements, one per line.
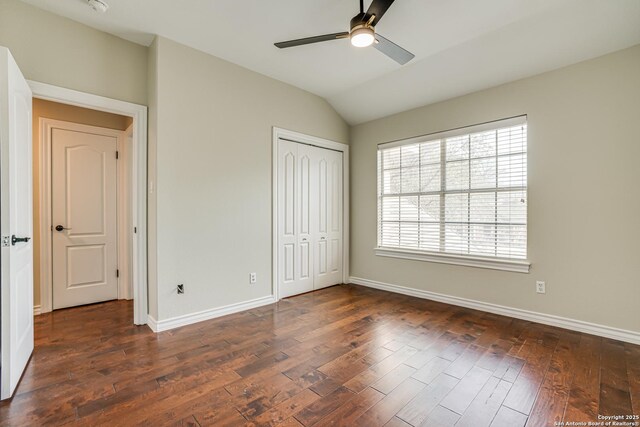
<point>584,209</point>
<point>213,153</point>
<point>56,50</point>
<point>67,113</point>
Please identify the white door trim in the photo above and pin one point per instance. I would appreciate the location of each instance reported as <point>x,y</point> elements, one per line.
<point>138,179</point>
<point>125,230</point>
<point>279,133</point>
<point>46,222</point>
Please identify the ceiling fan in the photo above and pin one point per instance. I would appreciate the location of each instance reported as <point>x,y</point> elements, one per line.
<point>362,33</point>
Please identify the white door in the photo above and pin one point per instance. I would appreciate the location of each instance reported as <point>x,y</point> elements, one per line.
<point>84,217</point>
<point>16,216</point>
<point>327,218</point>
<point>294,243</point>
<point>309,218</point>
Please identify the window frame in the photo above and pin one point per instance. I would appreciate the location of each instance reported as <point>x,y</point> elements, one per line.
<point>471,260</point>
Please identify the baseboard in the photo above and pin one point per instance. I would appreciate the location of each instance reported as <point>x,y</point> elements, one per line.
<point>152,323</point>
<point>37,310</point>
<point>547,319</point>
<point>188,319</point>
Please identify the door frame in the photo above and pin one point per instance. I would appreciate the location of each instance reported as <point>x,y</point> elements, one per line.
<point>279,133</point>
<point>124,232</point>
<point>138,180</point>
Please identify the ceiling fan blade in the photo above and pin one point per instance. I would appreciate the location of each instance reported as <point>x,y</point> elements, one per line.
<point>392,50</point>
<point>378,8</point>
<point>309,40</point>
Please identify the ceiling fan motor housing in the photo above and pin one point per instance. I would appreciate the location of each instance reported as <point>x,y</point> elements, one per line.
<point>360,20</point>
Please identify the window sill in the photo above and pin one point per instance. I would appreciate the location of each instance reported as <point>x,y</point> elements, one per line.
<point>518,266</point>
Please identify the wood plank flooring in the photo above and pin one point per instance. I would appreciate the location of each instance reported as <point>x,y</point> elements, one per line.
<point>345,355</point>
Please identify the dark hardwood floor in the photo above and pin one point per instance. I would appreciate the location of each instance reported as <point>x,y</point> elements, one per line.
<point>345,355</point>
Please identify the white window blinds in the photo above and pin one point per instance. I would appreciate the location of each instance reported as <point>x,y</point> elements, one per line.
<point>461,192</point>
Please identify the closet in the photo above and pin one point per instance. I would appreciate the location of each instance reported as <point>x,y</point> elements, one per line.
<point>310,240</point>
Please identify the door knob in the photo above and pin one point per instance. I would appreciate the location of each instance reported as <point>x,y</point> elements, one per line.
<point>15,240</point>
<point>61,228</point>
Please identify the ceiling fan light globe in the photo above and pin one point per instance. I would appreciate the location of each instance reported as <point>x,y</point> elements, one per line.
<point>362,37</point>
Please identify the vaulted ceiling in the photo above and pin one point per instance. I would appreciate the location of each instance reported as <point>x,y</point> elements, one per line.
<point>461,46</point>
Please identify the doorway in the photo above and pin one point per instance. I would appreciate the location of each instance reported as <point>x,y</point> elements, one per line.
<point>126,278</point>
<point>310,213</point>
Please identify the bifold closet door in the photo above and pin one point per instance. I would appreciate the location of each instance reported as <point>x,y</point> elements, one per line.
<point>309,218</point>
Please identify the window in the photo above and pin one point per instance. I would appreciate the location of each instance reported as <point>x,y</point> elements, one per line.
<point>458,196</point>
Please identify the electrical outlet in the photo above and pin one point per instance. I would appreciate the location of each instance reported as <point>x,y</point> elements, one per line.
<point>180,288</point>
<point>541,287</point>
<point>253,278</point>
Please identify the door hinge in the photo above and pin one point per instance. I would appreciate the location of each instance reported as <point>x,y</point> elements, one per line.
<point>117,273</point>
<point>135,230</point>
<point>117,154</point>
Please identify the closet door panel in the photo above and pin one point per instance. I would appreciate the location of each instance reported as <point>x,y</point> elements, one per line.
<point>305,261</point>
<point>336,255</point>
<point>294,270</point>
<point>323,207</point>
<point>289,263</point>
<point>288,153</point>
<point>303,231</point>
<point>328,231</point>
<point>322,258</point>
<point>322,190</point>
<point>335,234</point>
<point>289,198</point>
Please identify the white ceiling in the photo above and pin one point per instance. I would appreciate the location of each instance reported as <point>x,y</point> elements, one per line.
<point>461,46</point>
